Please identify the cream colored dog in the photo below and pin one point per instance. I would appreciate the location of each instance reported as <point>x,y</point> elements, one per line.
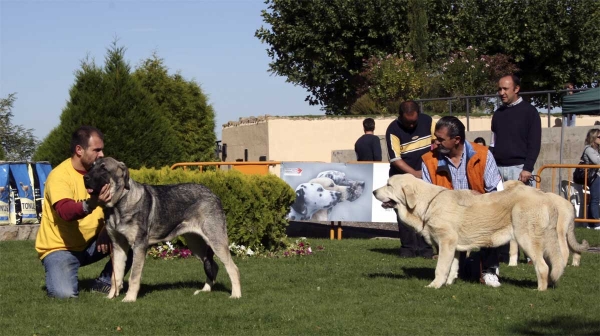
<point>458,220</point>
<point>565,228</point>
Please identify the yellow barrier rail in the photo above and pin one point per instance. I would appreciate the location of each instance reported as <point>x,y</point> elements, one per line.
<point>246,167</point>
<point>567,190</point>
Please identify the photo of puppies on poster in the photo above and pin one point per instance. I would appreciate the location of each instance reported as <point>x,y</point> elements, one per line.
<point>330,191</point>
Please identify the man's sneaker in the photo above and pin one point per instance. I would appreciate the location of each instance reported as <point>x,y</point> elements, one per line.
<point>593,227</point>
<point>491,279</point>
<point>100,287</point>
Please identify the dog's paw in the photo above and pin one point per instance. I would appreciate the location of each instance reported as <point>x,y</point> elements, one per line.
<point>206,288</point>
<point>236,293</point>
<point>112,294</point>
<point>434,285</point>
<point>129,298</point>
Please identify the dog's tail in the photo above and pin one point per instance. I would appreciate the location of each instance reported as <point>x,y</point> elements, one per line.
<point>572,241</point>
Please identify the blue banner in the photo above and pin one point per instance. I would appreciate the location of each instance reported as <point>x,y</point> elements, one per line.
<point>42,170</point>
<point>24,187</point>
<point>4,195</point>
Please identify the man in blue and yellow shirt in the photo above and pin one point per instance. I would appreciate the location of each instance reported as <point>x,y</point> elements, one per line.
<point>408,138</point>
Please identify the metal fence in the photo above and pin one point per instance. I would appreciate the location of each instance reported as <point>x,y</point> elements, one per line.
<point>467,101</point>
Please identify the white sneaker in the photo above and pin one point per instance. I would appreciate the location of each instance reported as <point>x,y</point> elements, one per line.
<point>593,227</point>
<point>491,279</point>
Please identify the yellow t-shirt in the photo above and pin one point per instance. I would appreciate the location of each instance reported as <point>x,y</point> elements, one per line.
<point>56,234</point>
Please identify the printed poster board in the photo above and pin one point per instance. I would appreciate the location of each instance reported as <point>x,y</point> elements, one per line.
<point>337,191</point>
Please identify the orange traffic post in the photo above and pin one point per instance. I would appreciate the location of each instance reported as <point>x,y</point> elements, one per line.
<point>332,231</point>
<point>339,230</point>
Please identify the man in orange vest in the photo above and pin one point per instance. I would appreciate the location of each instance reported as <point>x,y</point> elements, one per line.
<point>457,164</point>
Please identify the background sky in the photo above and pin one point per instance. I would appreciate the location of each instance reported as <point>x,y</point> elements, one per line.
<point>212,42</point>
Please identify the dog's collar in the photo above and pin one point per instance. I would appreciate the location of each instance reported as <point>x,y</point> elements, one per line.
<point>428,205</point>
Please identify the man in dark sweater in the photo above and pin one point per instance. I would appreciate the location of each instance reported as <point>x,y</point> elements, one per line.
<point>516,133</point>
<point>368,146</point>
<point>516,137</point>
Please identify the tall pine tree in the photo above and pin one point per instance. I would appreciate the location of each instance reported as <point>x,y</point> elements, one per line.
<point>185,104</point>
<point>109,98</point>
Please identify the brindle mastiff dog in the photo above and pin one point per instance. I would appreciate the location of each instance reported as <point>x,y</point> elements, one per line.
<point>139,215</point>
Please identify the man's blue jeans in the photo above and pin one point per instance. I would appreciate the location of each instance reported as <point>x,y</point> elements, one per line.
<point>512,173</point>
<point>62,268</point>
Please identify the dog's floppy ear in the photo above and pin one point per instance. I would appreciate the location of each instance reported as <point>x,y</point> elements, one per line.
<point>410,196</point>
<point>123,167</point>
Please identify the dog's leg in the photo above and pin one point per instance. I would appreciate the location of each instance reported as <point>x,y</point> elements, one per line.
<point>541,270</point>
<point>222,251</point>
<point>445,259</point>
<point>576,259</point>
<point>214,233</point>
<point>205,254</point>
<point>513,252</point>
<point>139,257</point>
<point>536,253</point>
<point>119,259</point>
<point>453,269</point>
<point>557,266</point>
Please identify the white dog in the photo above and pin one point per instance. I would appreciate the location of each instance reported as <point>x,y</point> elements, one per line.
<point>338,177</point>
<point>310,198</point>
<point>457,220</point>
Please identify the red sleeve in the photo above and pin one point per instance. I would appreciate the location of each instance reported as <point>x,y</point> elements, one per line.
<point>69,210</point>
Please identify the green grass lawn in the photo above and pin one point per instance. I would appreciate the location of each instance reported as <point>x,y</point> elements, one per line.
<point>353,286</point>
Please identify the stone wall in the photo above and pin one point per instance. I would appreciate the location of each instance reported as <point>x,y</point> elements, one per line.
<point>18,232</point>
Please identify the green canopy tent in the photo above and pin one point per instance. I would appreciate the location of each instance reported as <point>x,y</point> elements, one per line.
<point>585,102</point>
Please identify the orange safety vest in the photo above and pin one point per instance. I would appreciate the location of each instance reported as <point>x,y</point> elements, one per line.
<point>476,159</point>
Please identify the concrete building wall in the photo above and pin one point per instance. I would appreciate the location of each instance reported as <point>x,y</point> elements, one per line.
<point>252,136</point>
<point>330,139</point>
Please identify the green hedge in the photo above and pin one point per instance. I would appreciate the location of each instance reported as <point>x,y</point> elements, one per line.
<point>256,206</point>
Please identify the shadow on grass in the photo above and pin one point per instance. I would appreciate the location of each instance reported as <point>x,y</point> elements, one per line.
<point>196,285</point>
<point>421,273</point>
<point>86,285</point>
<point>389,251</point>
<point>559,325</point>
<point>519,283</point>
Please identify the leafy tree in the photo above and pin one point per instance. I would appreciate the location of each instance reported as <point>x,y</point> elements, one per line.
<point>467,72</point>
<point>418,37</point>
<point>186,106</point>
<point>551,41</point>
<point>17,142</point>
<point>391,79</point>
<point>321,44</point>
<point>110,99</point>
